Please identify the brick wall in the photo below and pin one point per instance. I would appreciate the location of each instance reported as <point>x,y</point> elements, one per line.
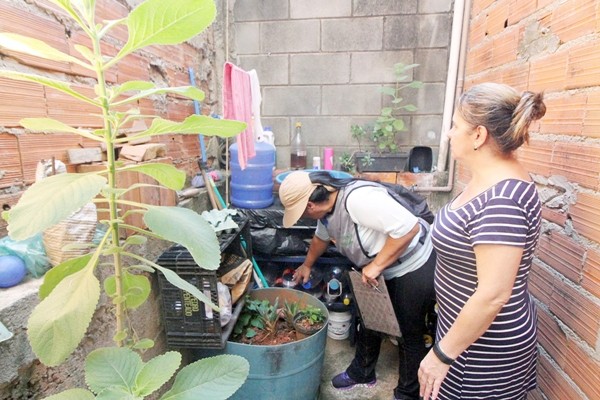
<point>20,151</point>
<point>322,63</point>
<point>554,46</point>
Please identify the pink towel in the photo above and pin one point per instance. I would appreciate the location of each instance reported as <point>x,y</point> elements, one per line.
<point>237,104</point>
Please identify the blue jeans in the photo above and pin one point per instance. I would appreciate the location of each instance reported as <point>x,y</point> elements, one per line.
<point>412,296</point>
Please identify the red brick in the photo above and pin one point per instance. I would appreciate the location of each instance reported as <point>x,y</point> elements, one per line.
<point>555,216</point>
<point>520,9</point>
<point>573,19</point>
<point>111,10</point>
<point>564,114</point>
<point>553,383</point>
<point>591,273</point>
<point>73,111</point>
<point>585,216</point>
<point>552,337</point>
<point>517,76</point>
<point>10,163</point>
<point>20,100</point>
<point>46,30</point>
<point>548,73</point>
<point>541,282</point>
<point>505,47</point>
<point>477,31</point>
<point>583,370</point>
<point>591,120</point>
<point>576,310</point>
<point>133,67</point>
<point>535,156</point>
<point>563,254</point>
<point>480,57</point>
<point>480,5</point>
<point>497,17</point>
<point>579,162</point>
<point>583,67</point>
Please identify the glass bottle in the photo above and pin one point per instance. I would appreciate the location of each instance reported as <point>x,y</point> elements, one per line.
<point>298,149</point>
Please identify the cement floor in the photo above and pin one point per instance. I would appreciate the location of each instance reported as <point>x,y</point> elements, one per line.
<point>339,354</point>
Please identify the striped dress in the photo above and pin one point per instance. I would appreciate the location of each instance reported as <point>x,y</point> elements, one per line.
<point>501,363</point>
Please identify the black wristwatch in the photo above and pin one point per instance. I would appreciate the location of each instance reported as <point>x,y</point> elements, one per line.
<point>441,355</point>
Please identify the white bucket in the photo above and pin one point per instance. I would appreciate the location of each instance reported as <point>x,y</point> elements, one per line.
<point>338,327</point>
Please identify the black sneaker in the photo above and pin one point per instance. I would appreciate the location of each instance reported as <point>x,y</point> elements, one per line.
<point>344,382</point>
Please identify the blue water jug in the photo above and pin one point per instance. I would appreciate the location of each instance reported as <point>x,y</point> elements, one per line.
<point>253,186</point>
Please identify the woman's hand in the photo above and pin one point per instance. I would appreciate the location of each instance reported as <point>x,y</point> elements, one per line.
<point>371,272</point>
<point>301,274</point>
<point>431,375</point>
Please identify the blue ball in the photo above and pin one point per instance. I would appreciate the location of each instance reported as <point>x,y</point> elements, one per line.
<point>12,271</point>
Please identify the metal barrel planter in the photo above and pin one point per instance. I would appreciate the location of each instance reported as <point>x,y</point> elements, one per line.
<point>290,371</point>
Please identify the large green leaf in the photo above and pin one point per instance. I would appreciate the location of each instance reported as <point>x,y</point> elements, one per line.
<point>57,325</point>
<point>52,125</point>
<point>117,393</point>
<point>136,289</point>
<point>193,124</point>
<point>51,200</point>
<point>176,280</point>
<point>55,275</point>
<point>37,48</point>
<point>73,394</point>
<point>53,83</point>
<point>187,91</point>
<point>188,228</point>
<point>167,175</point>
<point>157,372</point>
<point>166,22</point>
<point>112,367</point>
<point>210,378</point>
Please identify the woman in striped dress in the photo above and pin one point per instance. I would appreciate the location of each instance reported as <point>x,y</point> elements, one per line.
<point>485,240</point>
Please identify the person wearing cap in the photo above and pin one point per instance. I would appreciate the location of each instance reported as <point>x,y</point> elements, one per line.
<point>381,237</point>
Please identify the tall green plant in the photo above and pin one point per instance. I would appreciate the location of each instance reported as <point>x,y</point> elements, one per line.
<point>71,291</point>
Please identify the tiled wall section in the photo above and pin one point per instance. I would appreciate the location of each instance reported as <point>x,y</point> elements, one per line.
<point>554,46</point>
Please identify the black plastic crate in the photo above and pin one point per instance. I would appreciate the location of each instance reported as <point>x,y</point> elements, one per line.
<point>187,321</point>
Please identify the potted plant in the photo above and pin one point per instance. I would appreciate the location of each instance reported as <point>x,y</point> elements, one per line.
<point>308,321</point>
<point>386,128</point>
<point>71,290</point>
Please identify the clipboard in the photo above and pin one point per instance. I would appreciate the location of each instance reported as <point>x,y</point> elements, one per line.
<point>375,306</point>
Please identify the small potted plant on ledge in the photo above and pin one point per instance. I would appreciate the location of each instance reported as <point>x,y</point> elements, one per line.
<point>386,128</point>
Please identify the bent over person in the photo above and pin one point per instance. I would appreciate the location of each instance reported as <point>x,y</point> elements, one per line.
<point>485,238</point>
<point>381,237</point>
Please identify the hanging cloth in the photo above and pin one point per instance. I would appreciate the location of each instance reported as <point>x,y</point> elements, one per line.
<point>256,100</point>
<point>237,105</point>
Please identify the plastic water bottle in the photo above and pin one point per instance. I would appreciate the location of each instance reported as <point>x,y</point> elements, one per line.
<point>298,149</point>
<point>313,280</point>
<point>270,138</point>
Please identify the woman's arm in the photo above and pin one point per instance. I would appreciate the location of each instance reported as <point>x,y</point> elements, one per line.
<point>388,255</point>
<point>497,267</point>
<point>315,250</point>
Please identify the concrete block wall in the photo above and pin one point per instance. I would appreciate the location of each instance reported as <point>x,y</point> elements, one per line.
<point>553,45</point>
<point>323,62</point>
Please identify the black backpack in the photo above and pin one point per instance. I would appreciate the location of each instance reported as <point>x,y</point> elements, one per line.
<point>410,200</point>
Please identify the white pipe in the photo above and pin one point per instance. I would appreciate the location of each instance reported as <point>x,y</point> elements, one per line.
<point>458,27</point>
<point>454,84</point>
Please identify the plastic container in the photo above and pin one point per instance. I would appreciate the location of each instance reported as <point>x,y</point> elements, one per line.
<point>253,186</point>
<point>328,158</point>
<point>339,325</point>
